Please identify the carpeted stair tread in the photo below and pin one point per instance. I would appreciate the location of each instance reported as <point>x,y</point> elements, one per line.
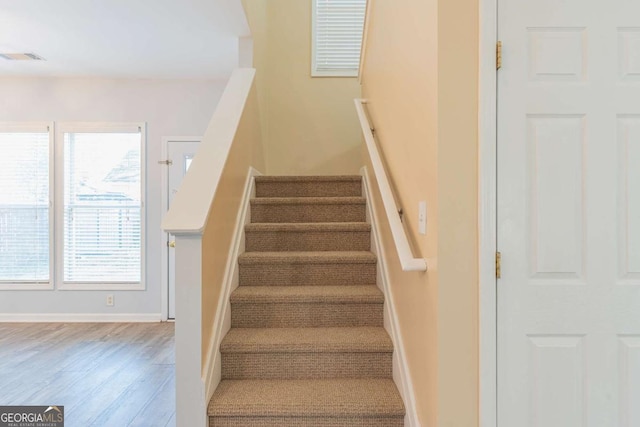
<point>293,227</point>
<point>278,340</point>
<point>308,236</point>
<point>309,186</point>
<point>310,398</point>
<point>308,178</point>
<point>359,294</point>
<point>312,257</point>
<point>308,209</point>
<point>308,200</point>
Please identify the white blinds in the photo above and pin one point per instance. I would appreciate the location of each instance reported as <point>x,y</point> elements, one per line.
<point>337,37</point>
<point>24,207</point>
<point>102,207</point>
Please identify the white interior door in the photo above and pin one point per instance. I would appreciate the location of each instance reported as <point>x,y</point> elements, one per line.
<point>181,153</point>
<point>569,213</point>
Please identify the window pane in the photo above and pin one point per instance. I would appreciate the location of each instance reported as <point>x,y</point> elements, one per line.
<point>102,207</point>
<point>24,207</point>
<point>338,36</point>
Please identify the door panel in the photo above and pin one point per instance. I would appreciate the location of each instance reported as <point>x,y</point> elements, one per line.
<point>629,202</point>
<point>569,213</point>
<point>629,377</point>
<point>558,387</point>
<point>556,153</point>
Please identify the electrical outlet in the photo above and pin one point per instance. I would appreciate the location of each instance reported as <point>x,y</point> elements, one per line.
<point>110,300</point>
<point>422,217</point>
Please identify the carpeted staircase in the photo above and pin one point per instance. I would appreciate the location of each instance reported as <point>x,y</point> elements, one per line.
<point>307,345</point>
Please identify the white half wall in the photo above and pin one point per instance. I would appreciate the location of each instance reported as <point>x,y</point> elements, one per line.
<point>169,107</point>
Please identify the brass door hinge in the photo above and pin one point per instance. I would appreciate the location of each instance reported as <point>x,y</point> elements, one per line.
<point>498,55</point>
<point>498,265</point>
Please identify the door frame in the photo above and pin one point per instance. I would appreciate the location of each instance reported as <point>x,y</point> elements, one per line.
<point>487,212</point>
<point>164,206</point>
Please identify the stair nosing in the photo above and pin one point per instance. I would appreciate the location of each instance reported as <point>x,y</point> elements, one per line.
<point>307,178</point>
<point>257,227</point>
<point>321,398</point>
<point>347,200</point>
<point>307,340</point>
<point>307,257</point>
<point>312,294</point>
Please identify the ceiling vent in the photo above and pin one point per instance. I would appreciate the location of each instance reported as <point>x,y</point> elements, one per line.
<point>21,57</point>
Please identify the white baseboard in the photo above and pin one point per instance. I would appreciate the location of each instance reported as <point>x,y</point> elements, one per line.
<point>213,365</point>
<point>401,374</point>
<point>80,317</point>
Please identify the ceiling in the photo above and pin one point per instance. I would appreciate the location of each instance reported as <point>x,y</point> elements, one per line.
<point>122,38</point>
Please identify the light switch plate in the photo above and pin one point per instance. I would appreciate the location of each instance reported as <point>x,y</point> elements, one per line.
<point>422,217</point>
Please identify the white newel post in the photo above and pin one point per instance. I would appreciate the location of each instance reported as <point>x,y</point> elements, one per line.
<point>190,395</point>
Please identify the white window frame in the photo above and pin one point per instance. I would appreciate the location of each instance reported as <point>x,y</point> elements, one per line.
<point>37,127</point>
<point>96,127</point>
<point>334,73</point>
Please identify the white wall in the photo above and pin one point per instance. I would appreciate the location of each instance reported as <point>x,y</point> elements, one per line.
<point>169,107</point>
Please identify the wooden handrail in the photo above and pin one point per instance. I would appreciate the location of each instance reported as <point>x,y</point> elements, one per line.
<point>407,260</point>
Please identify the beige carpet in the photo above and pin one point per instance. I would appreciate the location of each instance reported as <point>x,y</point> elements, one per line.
<point>307,345</point>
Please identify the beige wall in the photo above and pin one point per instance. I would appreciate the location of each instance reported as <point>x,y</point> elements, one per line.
<point>309,124</point>
<point>256,11</point>
<point>420,77</point>
<point>400,82</point>
<point>458,201</point>
<point>246,151</point>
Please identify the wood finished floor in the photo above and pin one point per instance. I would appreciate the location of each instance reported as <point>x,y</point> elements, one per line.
<point>105,374</point>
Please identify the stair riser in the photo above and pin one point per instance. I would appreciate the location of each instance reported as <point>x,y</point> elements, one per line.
<point>304,315</point>
<point>305,365</point>
<point>309,189</point>
<point>307,274</point>
<point>272,213</point>
<point>308,241</point>
<point>306,421</point>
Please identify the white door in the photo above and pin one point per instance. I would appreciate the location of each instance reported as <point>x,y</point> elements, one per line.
<point>569,213</point>
<point>181,153</point>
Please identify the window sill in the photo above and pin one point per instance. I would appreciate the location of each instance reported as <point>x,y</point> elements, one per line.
<point>7,286</point>
<point>102,287</point>
<point>324,74</point>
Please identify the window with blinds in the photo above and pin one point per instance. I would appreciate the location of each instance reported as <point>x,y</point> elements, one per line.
<point>337,37</point>
<point>24,207</point>
<point>102,217</point>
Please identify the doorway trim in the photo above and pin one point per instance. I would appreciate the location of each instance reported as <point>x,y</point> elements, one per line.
<point>487,212</point>
<point>164,251</point>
